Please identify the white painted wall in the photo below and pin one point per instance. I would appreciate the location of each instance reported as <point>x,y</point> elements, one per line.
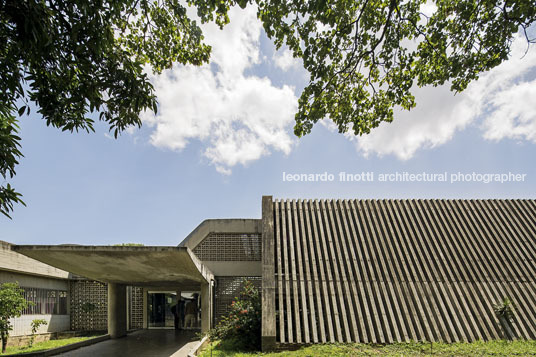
<point>56,323</point>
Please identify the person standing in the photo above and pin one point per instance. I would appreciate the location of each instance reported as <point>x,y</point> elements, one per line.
<point>175,312</point>
<point>181,312</point>
<point>191,314</point>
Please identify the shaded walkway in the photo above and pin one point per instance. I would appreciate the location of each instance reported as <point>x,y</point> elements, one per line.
<point>157,343</point>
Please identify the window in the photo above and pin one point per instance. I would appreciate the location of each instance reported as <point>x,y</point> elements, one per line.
<point>45,301</point>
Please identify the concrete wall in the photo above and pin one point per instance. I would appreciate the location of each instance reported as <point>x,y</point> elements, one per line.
<point>33,281</point>
<point>12,261</point>
<point>268,329</point>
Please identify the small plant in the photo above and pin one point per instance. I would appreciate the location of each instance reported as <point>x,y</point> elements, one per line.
<point>242,327</point>
<point>505,310</point>
<point>12,303</point>
<point>35,326</point>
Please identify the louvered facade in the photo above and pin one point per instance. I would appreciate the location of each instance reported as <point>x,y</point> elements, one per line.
<point>396,270</point>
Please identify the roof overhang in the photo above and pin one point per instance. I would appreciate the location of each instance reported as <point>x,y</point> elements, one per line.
<point>227,225</point>
<point>132,265</point>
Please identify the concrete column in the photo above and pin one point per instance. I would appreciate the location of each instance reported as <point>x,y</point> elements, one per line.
<point>145,317</point>
<point>206,312</point>
<point>179,293</point>
<point>129,305</point>
<point>117,310</point>
<point>268,332</point>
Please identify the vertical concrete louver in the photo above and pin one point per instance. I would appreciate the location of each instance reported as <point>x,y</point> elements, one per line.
<point>397,270</point>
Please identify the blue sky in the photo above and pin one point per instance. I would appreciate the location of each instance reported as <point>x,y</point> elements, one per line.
<point>223,138</point>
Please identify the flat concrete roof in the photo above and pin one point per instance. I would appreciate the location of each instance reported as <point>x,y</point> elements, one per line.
<point>132,265</point>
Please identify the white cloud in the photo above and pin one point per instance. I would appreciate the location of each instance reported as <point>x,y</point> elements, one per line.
<point>500,102</point>
<point>437,117</point>
<point>514,114</point>
<point>238,118</point>
<point>284,59</point>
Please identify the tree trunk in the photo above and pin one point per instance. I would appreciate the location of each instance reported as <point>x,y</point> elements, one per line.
<point>508,334</point>
<point>4,342</point>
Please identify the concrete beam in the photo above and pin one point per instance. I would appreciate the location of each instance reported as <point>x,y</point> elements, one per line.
<point>235,268</point>
<point>117,310</point>
<point>268,332</point>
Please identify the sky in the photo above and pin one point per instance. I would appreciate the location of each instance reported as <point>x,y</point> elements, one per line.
<point>223,137</point>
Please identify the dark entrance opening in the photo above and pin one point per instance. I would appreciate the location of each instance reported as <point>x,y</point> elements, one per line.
<point>159,309</point>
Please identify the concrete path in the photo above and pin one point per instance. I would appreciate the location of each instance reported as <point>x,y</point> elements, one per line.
<point>157,343</point>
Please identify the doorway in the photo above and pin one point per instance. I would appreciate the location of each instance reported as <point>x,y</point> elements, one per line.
<point>190,310</point>
<point>159,312</point>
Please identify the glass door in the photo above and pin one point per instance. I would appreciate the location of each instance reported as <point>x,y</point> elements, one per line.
<point>159,309</point>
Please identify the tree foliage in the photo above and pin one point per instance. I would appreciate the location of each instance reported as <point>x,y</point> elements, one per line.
<point>12,303</point>
<point>74,58</point>
<point>364,57</point>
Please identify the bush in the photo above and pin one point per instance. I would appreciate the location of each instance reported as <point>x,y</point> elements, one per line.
<point>12,303</point>
<point>35,326</point>
<point>242,327</point>
<point>505,310</point>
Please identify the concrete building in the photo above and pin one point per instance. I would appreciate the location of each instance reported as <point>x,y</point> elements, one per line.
<point>374,271</point>
<point>139,285</point>
<point>43,284</point>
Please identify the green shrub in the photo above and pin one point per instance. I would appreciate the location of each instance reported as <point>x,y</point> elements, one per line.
<point>242,327</point>
<point>505,309</point>
<point>12,303</point>
<point>35,326</point>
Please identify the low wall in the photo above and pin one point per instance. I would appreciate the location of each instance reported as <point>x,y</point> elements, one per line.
<point>19,341</point>
<point>55,323</point>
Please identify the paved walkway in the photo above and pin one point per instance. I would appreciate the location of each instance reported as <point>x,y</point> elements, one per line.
<point>157,343</point>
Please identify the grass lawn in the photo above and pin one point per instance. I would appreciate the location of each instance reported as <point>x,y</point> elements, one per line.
<point>39,346</point>
<point>479,348</point>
